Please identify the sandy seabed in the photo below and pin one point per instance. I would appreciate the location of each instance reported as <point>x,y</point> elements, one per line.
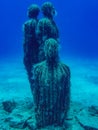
<point>84,80</point>
<point>14,83</point>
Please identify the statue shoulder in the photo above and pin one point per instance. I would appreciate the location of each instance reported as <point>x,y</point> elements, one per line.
<point>31,22</point>
<point>30,25</point>
<point>65,68</point>
<point>39,67</point>
<point>44,21</point>
<point>26,24</point>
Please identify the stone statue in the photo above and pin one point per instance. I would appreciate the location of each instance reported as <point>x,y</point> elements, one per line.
<point>51,88</point>
<point>46,28</point>
<point>30,45</point>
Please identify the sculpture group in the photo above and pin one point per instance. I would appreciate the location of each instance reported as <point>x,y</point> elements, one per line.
<point>49,78</point>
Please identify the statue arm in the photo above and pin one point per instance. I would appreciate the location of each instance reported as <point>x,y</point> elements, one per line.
<point>39,32</point>
<point>35,88</point>
<point>25,37</point>
<point>67,88</point>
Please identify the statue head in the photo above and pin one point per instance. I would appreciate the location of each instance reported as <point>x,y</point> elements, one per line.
<point>51,50</point>
<point>48,10</point>
<point>33,11</point>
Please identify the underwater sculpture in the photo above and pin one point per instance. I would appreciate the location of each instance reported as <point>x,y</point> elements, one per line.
<point>50,79</point>
<point>51,88</point>
<point>30,45</point>
<point>46,28</point>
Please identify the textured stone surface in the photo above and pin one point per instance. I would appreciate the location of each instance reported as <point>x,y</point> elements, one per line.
<point>9,106</point>
<point>31,124</point>
<point>30,44</point>
<point>51,88</point>
<point>80,118</point>
<point>46,28</point>
<point>87,121</point>
<point>93,110</point>
<point>17,123</point>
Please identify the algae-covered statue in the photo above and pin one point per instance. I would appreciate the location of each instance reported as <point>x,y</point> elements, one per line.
<point>46,28</point>
<point>51,88</point>
<point>30,43</point>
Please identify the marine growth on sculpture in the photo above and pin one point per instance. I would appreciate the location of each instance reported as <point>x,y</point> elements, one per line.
<point>30,44</point>
<point>46,28</point>
<point>51,88</point>
<point>48,76</point>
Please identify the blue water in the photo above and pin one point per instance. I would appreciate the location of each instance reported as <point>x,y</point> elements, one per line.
<point>77,21</point>
<point>78,26</point>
